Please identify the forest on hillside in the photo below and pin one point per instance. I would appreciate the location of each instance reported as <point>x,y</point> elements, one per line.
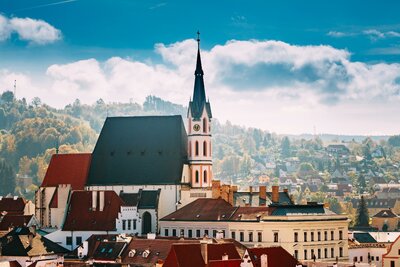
<point>31,132</point>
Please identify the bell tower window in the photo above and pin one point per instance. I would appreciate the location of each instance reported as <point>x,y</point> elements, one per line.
<point>204,125</point>
<point>196,148</point>
<point>204,148</point>
<point>205,177</point>
<point>197,177</point>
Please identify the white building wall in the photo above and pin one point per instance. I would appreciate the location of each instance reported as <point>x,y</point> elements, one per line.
<point>360,255</point>
<point>169,195</point>
<point>129,214</point>
<point>58,214</point>
<point>285,229</point>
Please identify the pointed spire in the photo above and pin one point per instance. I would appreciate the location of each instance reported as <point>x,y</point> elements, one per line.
<point>199,69</point>
<point>198,103</point>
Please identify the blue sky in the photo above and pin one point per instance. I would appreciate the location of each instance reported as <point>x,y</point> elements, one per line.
<point>341,75</point>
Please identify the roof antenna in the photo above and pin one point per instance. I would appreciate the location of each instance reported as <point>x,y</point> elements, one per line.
<point>57,146</point>
<point>15,89</point>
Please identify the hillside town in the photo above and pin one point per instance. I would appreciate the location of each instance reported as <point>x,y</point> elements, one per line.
<point>151,194</point>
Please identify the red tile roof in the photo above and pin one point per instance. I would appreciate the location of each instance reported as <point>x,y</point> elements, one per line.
<point>184,255</point>
<point>216,251</point>
<point>12,206</point>
<point>68,169</point>
<point>225,263</point>
<point>207,209</point>
<point>81,217</point>
<point>277,256</point>
<point>159,249</point>
<point>10,220</point>
<point>387,213</point>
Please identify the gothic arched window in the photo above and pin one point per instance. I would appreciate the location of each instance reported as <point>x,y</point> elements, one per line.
<point>204,148</point>
<point>204,125</point>
<point>205,177</point>
<point>196,148</point>
<point>197,177</point>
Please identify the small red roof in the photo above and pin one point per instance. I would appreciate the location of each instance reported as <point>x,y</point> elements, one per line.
<point>68,169</point>
<point>277,256</point>
<point>12,205</point>
<point>81,216</point>
<point>183,255</point>
<point>10,220</point>
<point>216,251</point>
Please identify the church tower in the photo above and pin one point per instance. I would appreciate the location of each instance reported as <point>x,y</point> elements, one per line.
<point>199,131</point>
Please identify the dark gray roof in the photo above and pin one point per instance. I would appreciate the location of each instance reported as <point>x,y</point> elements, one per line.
<point>283,210</point>
<point>148,199</point>
<point>131,199</point>
<point>139,151</point>
<point>364,238</point>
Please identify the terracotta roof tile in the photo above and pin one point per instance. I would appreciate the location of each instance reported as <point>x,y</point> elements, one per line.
<point>183,255</point>
<point>81,217</point>
<point>277,256</point>
<point>216,251</point>
<point>68,169</point>
<point>12,205</point>
<point>203,209</point>
<point>10,220</point>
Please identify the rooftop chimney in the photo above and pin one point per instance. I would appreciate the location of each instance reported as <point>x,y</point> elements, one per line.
<point>94,200</point>
<point>275,194</point>
<point>263,192</point>
<point>101,201</point>
<point>225,257</point>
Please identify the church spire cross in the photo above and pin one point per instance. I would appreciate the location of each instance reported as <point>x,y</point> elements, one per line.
<point>198,40</point>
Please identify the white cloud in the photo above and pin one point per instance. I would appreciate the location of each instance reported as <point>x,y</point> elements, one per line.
<point>373,34</point>
<point>31,30</point>
<point>253,83</point>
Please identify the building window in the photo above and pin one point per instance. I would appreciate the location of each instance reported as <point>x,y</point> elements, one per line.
<point>198,233</point>
<point>312,236</point>
<point>206,232</point>
<point>259,237</point>
<point>233,235</point>
<point>123,224</point>
<point>332,235</point>
<point>341,235</point>
<point>205,177</point>
<point>392,264</point>
<point>332,252</point>
<point>241,236</point>
<point>319,236</point>
<point>319,253</point>
<point>305,236</point>
<point>250,236</point>
<point>377,258</point>
<point>340,252</point>
<point>69,240</point>
<point>305,254</point>
<point>196,148</point>
<point>326,235</point>
<point>182,232</point>
<point>134,224</point>
<point>173,232</point>
<point>204,148</point>
<point>276,237</point>
<point>296,254</point>
<point>190,149</point>
<point>214,233</point>
<point>197,177</point>
<point>190,233</point>
<point>355,259</point>
<point>129,224</point>
<point>204,125</point>
<point>326,253</point>
<point>399,251</point>
<point>296,237</point>
<point>166,232</point>
<point>312,254</point>
<point>78,240</point>
<point>361,258</point>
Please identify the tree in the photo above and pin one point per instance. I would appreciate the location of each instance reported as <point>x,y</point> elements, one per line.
<point>361,184</point>
<point>285,147</point>
<point>7,96</point>
<point>7,178</point>
<point>362,216</point>
<point>394,140</point>
<point>36,102</point>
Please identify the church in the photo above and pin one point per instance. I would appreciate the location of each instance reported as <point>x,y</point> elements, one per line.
<point>151,162</point>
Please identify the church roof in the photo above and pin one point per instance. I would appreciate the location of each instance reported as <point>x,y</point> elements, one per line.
<point>139,150</point>
<point>67,169</point>
<point>197,105</point>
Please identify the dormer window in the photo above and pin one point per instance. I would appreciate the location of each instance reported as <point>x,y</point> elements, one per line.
<point>132,253</point>
<point>146,253</point>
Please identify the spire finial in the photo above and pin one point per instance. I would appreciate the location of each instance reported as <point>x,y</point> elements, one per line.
<point>198,39</point>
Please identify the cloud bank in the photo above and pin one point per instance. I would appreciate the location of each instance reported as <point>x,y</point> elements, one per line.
<point>31,30</point>
<point>254,83</point>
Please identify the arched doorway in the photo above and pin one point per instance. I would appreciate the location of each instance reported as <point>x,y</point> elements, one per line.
<point>146,223</point>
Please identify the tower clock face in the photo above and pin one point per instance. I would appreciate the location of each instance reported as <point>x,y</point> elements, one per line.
<point>196,127</point>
